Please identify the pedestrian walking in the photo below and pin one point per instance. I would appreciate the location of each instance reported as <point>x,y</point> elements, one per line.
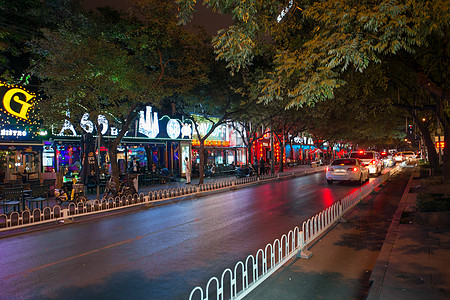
<point>262,166</point>
<point>256,166</point>
<point>188,171</point>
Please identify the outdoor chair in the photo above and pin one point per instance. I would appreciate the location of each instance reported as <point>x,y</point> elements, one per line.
<point>166,176</point>
<point>149,178</point>
<point>12,197</point>
<point>39,194</point>
<point>33,182</point>
<point>50,182</point>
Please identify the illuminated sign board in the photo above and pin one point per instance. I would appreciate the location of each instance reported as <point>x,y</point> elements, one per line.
<point>148,125</point>
<point>12,133</point>
<point>186,130</point>
<point>440,145</point>
<point>209,143</point>
<point>173,129</point>
<point>16,101</point>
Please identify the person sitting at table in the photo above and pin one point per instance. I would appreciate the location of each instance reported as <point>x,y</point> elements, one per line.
<point>92,178</point>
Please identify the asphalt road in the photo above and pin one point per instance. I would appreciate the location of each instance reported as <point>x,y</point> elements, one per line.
<point>159,253</point>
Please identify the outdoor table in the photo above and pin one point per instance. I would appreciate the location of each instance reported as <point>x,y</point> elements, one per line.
<point>25,175</point>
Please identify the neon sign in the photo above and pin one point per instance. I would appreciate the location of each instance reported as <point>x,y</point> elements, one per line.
<point>173,129</point>
<point>11,132</point>
<point>148,124</point>
<point>186,131</point>
<point>88,125</point>
<point>440,145</point>
<point>16,101</point>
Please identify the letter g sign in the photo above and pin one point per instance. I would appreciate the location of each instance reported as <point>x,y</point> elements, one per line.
<point>16,101</point>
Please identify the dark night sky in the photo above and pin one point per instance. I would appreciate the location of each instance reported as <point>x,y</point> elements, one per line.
<point>204,17</point>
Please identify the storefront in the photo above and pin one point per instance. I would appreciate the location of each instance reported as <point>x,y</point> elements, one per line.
<point>155,142</point>
<point>21,142</point>
<point>223,148</point>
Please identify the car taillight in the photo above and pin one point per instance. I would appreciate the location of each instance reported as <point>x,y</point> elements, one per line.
<point>372,162</point>
<point>353,169</point>
<point>330,169</point>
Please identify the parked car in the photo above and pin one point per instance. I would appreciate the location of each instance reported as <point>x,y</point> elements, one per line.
<point>370,159</point>
<point>245,171</point>
<point>387,159</point>
<point>347,169</point>
<point>316,163</point>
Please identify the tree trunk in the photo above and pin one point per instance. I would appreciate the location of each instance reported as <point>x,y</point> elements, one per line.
<point>201,166</point>
<point>432,155</point>
<point>445,122</point>
<point>249,153</point>
<point>112,150</point>
<point>446,157</point>
<point>272,152</point>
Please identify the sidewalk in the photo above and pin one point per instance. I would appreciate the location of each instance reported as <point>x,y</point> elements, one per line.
<point>372,255</point>
<point>414,261</point>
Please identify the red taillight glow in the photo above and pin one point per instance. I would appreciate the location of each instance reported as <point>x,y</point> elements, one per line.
<point>361,151</point>
<point>353,169</point>
<point>330,169</point>
<point>372,162</point>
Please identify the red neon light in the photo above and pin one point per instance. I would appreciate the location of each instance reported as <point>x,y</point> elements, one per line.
<point>440,145</point>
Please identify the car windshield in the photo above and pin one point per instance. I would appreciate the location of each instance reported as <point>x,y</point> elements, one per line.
<point>362,155</point>
<point>344,162</point>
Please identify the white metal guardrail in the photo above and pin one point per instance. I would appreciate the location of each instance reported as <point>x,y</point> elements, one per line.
<point>238,282</point>
<point>26,218</point>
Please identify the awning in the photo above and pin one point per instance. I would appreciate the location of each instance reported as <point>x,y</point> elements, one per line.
<point>24,146</point>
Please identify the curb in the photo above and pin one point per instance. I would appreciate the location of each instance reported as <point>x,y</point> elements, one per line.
<point>377,277</point>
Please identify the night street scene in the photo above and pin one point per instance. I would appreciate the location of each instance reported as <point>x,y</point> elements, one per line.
<point>182,149</point>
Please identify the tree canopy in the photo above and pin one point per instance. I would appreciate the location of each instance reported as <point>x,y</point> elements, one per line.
<point>317,42</point>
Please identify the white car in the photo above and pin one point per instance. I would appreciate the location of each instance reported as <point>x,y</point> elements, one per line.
<point>399,157</point>
<point>347,169</point>
<point>370,159</point>
<point>387,159</point>
<point>409,155</point>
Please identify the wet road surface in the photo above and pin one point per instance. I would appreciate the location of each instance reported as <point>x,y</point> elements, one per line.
<point>162,252</point>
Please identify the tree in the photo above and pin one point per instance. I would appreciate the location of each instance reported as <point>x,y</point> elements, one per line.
<point>217,101</point>
<point>318,40</point>
<point>20,21</point>
<point>113,66</point>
